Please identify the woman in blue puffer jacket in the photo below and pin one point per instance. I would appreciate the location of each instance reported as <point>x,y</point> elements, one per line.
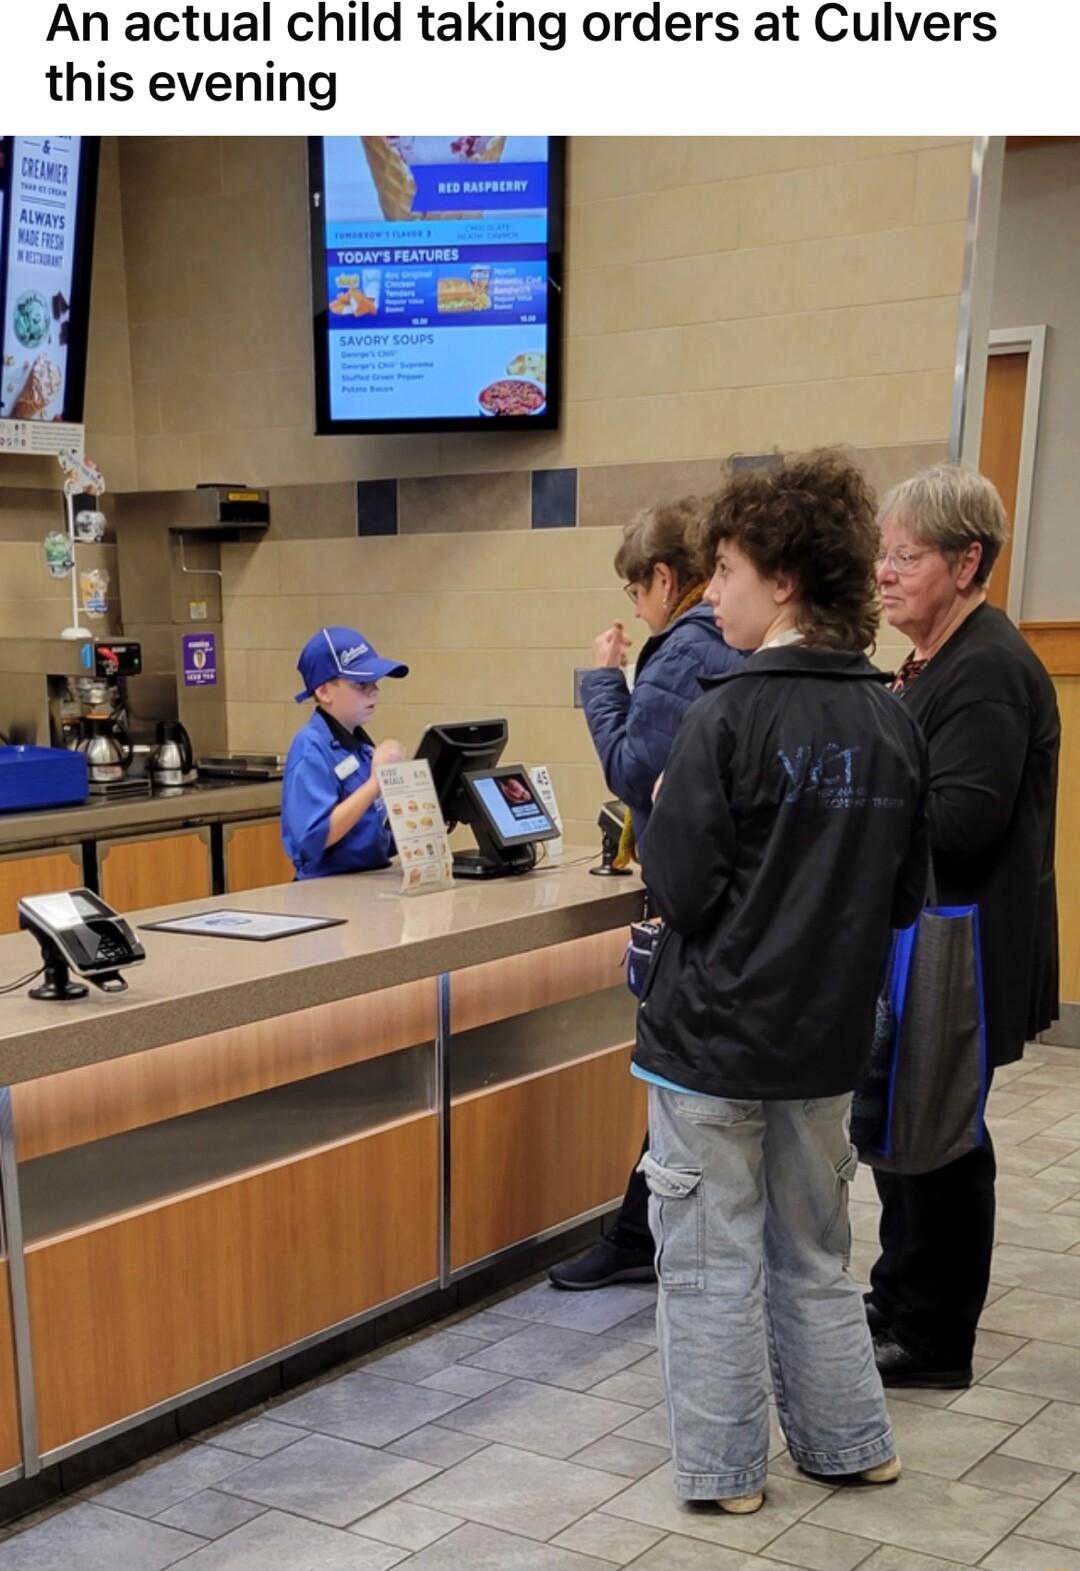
<point>633,731</point>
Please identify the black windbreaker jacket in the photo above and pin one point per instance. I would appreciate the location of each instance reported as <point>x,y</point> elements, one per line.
<point>788,839</point>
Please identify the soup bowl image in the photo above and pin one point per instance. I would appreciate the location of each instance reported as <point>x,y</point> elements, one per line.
<point>512,395</point>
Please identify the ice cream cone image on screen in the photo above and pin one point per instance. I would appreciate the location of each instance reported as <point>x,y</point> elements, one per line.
<point>390,159</point>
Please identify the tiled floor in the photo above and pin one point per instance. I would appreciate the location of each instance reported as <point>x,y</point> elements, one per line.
<point>532,1434</point>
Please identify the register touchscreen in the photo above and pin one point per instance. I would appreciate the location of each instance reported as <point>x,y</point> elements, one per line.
<point>510,803</point>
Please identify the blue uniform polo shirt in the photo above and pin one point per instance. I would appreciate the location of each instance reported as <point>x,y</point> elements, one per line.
<point>320,773</point>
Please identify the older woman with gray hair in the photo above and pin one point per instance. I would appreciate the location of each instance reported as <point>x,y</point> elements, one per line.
<point>989,714</point>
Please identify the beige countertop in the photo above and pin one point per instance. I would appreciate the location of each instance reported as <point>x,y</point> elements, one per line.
<point>209,801</point>
<point>189,986</point>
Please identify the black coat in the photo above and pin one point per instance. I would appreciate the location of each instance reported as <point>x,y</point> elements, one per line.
<point>788,839</point>
<point>989,713</point>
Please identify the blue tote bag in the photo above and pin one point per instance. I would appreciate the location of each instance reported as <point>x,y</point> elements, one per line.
<point>922,1099</point>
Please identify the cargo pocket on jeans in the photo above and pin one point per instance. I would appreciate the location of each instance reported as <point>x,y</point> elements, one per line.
<point>837,1235</point>
<point>677,1218</point>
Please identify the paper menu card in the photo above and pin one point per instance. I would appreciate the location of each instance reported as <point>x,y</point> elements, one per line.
<point>541,779</point>
<point>416,822</point>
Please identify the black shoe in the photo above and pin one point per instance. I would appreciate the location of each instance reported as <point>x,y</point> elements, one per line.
<point>874,1317</point>
<point>605,1263</point>
<point>898,1367</point>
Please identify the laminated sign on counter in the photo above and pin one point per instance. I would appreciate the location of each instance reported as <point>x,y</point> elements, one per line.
<point>416,821</point>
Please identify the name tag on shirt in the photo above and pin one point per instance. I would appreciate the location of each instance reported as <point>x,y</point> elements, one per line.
<point>348,766</point>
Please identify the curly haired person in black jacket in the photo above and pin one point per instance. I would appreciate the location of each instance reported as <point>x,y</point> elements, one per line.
<point>788,839</point>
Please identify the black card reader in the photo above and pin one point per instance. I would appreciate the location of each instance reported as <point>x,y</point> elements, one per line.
<point>78,932</point>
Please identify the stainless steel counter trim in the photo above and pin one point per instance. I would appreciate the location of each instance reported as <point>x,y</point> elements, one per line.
<point>536,1238</point>
<point>442,1093</point>
<point>208,1387</point>
<point>20,1307</point>
<point>12,1476</point>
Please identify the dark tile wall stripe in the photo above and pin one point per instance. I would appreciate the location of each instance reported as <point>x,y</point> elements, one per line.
<point>376,507</point>
<point>554,498</point>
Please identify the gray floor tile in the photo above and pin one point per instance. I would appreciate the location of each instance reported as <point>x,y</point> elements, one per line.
<point>1040,1369</point>
<point>1010,1475</point>
<point>488,1325</point>
<point>477,1548</point>
<point>996,1345</point>
<point>210,1514</point>
<point>1039,1269</point>
<point>92,1538</point>
<point>608,1538</point>
<point>650,1427</point>
<point>407,1526</point>
<point>1010,1407</point>
<point>944,1443</point>
<point>538,1418</point>
<point>155,1489</point>
<point>258,1437</point>
<point>1047,1316</point>
<point>1040,1193</point>
<point>597,1311</point>
<point>1052,1437</point>
<point>652,1502</point>
<point>1058,1519</point>
<point>1024,1554</point>
<point>332,1481</point>
<point>639,1328</point>
<point>649,1365</point>
<point>277,1542</point>
<point>628,1458</point>
<point>361,1406</point>
<point>439,1447</point>
<point>888,1558</point>
<point>818,1548</point>
<point>1018,1163</point>
<point>675,1553</point>
<point>534,1496</point>
<point>630,1387</point>
<point>426,1356</point>
<point>1023,1228</point>
<point>931,1516</point>
<point>463,1382</point>
<point>555,1356</point>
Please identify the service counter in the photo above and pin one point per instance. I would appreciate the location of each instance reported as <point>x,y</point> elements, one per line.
<point>261,1145</point>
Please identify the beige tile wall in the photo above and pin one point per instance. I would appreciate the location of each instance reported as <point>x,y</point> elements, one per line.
<point>722,294</point>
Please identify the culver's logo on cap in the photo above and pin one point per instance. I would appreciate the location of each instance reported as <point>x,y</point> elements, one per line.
<point>347,656</point>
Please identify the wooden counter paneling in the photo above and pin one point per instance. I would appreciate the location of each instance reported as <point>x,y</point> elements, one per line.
<point>10,1443</point>
<point>126,1093</point>
<point>254,856</point>
<point>140,1308</point>
<point>482,994</point>
<point>1057,645</point>
<point>40,874</point>
<point>156,870</point>
<point>1068,837</point>
<point>538,1151</point>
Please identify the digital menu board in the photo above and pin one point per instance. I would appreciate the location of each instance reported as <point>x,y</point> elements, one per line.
<point>48,188</point>
<point>437,272</point>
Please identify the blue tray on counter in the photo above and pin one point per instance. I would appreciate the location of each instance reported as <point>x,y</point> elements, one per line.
<point>38,777</point>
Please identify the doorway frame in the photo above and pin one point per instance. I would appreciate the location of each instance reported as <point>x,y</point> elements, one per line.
<point>1032,342</point>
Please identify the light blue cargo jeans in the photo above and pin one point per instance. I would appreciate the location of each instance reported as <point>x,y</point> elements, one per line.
<point>749,1211</point>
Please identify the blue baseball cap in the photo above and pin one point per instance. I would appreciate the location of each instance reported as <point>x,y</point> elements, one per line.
<point>341,652</point>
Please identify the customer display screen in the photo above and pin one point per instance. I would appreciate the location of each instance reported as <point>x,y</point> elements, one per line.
<point>47,186</point>
<point>510,804</point>
<point>436,263</point>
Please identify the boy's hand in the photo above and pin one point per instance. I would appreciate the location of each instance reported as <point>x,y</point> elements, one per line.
<point>610,648</point>
<point>388,752</point>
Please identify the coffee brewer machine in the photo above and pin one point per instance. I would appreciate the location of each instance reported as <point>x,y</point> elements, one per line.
<point>60,692</point>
